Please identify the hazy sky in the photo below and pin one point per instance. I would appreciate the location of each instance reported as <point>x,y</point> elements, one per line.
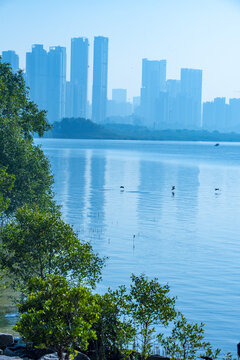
<point>202,34</point>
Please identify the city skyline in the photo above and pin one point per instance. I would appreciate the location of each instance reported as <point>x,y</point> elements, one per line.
<point>163,104</point>
<point>207,39</point>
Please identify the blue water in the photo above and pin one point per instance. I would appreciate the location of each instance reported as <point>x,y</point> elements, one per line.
<point>189,239</point>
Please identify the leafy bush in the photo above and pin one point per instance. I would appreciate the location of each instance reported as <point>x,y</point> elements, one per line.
<point>56,315</point>
<point>40,243</point>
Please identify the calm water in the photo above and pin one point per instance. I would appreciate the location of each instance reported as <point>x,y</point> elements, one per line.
<point>190,240</point>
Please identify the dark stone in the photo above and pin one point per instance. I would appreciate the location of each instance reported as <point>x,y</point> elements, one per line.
<point>8,352</point>
<point>4,357</point>
<point>17,346</point>
<point>81,356</point>
<point>53,356</point>
<point>5,340</point>
<point>37,353</point>
<point>158,357</point>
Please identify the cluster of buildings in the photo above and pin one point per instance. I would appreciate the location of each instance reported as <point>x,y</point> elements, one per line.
<point>163,103</point>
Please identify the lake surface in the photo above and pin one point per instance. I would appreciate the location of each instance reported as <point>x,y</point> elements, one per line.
<point>189,239</point>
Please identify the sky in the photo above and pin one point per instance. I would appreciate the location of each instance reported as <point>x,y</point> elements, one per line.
<point>201,34</point>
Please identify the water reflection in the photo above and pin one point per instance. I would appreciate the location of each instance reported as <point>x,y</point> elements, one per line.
<point>190,240</point>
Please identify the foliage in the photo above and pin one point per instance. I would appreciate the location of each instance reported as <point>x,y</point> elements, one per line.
<point>39,244</point>
<point>16,106</point>
<point>56,315</point>
<point>78,128</point>
<point>6,185</point>
<point>186,341</point>
<point>19,120</point>
<point>113,329</point>
<point>150,305</point>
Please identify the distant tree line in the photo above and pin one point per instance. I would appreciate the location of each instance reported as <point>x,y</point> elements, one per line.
<point>78,128</point>
<point>54,272</point>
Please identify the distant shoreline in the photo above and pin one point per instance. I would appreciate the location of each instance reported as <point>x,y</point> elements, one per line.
<point>71,128</point>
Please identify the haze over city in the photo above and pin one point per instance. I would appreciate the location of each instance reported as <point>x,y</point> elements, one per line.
<point>200,34</point>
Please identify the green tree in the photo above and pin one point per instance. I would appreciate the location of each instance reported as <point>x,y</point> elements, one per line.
<point>114,329</point>
<point>6,185</point>
<point>57,315</point>
<point>187,341</point>
<point>39,244</point>
<point>150,306</point>
<point>20,119</point>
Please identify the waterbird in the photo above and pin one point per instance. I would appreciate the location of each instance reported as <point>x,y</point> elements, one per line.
<point>217,144</point>
<point>121,187</point>
<point>173,187</point>
<point>217,189</point>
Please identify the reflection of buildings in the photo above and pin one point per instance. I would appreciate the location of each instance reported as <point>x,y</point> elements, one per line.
<point>121,212</point>
<point>96,200</point>
<point>151,185</point>
<point>70,185</point>
<point>160,212</point>
<point>187,199</point>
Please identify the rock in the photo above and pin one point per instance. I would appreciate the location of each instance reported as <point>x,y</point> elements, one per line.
<point>53,356</point>
<point>158,357</point>
<point>81,356</point>
<point>9,352</point>
<point>5,340</point>
<point>4,357</point>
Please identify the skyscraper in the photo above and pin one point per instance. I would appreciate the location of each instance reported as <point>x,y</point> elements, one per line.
<point>153,82</point>
<point>191,92</point>
<point>11,58</point>
<point>79,76</point>
<point>100,75</point>
<point>37,75</point>
<point>56,83</point>
<point>119,95</point>
<point>46,78</point>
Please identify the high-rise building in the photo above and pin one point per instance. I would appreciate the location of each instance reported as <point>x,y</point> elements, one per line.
<point>119,95</point>
<point>118,106</point>
<point>100,76</point>
<point>79,76</point>
<point>216,115</point>
<point>37,75</point>
<point>56,83</point>
<point>153,82</point>
<point>233,123</point>
<point>69,100</point>
<point>46,78</point>
<point>191,92</point>
<point>11,58</point>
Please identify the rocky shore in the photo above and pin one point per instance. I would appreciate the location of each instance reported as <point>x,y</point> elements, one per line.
<point>14,348</point>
